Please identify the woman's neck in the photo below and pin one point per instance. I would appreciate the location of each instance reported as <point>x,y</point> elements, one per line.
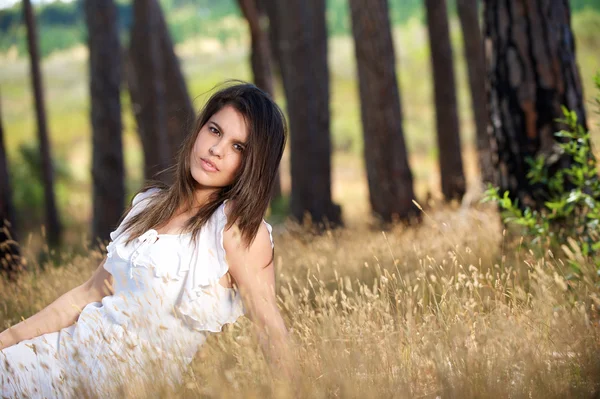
<point>202,196</point>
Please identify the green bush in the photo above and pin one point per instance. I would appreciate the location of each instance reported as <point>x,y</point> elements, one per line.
<point>572,207</point>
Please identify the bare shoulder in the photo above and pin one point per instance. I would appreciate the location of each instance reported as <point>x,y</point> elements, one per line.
<point>258,254</point>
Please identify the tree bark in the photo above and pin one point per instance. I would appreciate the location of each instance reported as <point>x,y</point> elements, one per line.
<point>108,170</point>
<point>532,70</point>
<point>446,110</point>
<point>306,80</point>
<point>473,43</point>
<point>147,88</point>
<point>10,254</point>
<point>260,59</point>
<point>180,111</point>
<point>52,219</point>
<point>388,172</point>
<point>270,8</point>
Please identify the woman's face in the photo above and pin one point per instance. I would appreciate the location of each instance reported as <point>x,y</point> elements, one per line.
<point>219,148</point>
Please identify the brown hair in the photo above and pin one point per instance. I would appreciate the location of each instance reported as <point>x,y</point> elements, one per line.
<point>252,187</point>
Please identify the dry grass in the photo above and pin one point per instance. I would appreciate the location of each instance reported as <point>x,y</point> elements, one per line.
<point>448,309</point>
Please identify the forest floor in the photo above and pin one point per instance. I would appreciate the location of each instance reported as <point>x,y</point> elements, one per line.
<point>451,308</point>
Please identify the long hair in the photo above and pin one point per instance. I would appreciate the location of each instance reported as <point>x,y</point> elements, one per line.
<point>253,184</point>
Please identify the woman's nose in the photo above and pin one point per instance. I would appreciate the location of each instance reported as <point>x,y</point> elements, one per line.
<point>215,150</point>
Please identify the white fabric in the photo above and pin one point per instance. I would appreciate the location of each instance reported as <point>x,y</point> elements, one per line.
<point>166,297</point>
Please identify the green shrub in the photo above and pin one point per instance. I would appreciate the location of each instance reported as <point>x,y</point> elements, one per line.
<point>572,207</point>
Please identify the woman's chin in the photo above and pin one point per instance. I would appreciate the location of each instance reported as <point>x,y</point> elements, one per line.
<point>204,182</point>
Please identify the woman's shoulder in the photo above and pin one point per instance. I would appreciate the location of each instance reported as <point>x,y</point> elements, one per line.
<point>144,194</point>
<point>260,249</point>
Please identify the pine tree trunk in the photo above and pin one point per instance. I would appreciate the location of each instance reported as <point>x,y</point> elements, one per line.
<point>108,171</point>
<point>260,59</point>
<point>53,226</point>
<point>446,109</point>
<point>10,255</point>
<point>147,88</point>
<point>389,176</point>
<point>306,80</point>
<point>180,112</point>
<point>530,50</point>
<point>270,8</point>
<point>469,21</point>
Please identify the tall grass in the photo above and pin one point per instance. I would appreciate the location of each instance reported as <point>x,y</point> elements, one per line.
<point>451,308</point>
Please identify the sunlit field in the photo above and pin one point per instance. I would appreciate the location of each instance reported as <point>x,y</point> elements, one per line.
<point>448,309</point>
<point>454,307</point>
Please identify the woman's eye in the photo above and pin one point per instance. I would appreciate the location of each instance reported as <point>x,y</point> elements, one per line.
<point>214,131</point>
<point>238,147</point>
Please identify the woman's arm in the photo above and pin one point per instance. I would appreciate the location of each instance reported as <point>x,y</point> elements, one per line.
<point>254,274</point>
<point>61,313</point>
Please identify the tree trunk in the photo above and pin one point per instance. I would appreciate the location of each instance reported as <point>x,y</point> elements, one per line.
<point>108,171</point>
<point>260,59</point>
<point>147,88</point>
<point>52,220</point>
<point>446,110</point>
<point>469,21</point>
<point>306,80</point>
<point>532,70</point>
<point>180,112</point>
<point>10,255</point>
<point>270,8</point>
<point>388,173</point>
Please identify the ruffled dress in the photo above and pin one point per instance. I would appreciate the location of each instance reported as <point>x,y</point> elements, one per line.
<point>166,298</point>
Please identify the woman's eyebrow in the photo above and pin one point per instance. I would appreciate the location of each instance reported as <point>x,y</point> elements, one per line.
<point>223,132</point>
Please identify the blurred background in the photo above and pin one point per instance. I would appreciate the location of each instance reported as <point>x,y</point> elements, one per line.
<point>214,41</point>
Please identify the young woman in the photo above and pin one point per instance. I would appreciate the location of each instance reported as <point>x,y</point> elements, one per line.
<point>187,259</point>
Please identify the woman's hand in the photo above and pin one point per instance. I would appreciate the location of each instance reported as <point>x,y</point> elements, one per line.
<point>61,313</point>
<point>252,269</point>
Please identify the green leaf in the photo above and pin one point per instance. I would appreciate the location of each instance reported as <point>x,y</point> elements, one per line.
<point>574,196</point>
<point>555,205</point>
<point>589,201</point>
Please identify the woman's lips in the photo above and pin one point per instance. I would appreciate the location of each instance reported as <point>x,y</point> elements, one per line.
<point>208,166</point>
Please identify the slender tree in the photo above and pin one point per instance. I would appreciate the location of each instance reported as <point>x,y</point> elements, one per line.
<point>53,226</point>
<point>10,254</point>
<point>388,172</point>
<point>270,9</point>
<point>468,13</point>
<point>260,58</point>
<point>532,73</point>
<point>446,109</point>
<point>180,112</point>
<point>178,109</point>
<point>108,170</point>
<point>303,46</point>
<point>147,87</point>
<point>260,55</point>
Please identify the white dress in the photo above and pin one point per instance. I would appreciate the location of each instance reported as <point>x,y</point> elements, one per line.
<point>167,297</point>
